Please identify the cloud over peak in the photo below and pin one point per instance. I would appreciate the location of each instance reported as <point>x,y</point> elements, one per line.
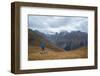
<point>48,24</point>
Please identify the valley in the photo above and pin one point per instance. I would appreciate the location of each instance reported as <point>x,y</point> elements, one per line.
<point>59,46</point>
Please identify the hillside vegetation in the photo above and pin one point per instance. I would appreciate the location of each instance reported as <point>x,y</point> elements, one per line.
<point>56,51</point>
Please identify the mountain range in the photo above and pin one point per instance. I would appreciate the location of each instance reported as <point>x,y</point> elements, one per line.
<point>35,38</point>
<point>59,41</point>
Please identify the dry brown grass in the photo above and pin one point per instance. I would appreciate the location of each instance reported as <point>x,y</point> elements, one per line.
<point>35,53</point>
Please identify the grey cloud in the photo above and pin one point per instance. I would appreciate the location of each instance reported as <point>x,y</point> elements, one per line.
<point>57,23</point>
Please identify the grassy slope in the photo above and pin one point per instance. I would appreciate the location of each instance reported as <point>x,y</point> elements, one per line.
<point>52,52</point>
<point>35,54</point>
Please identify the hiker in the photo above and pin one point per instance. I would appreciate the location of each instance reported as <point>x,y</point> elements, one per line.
<point>42,45</point>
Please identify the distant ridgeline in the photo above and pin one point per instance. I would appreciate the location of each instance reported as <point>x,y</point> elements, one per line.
<point>69,41</point>
<point>64,40</point>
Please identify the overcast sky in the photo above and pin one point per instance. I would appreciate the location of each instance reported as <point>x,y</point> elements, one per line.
<point>53,24</point>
